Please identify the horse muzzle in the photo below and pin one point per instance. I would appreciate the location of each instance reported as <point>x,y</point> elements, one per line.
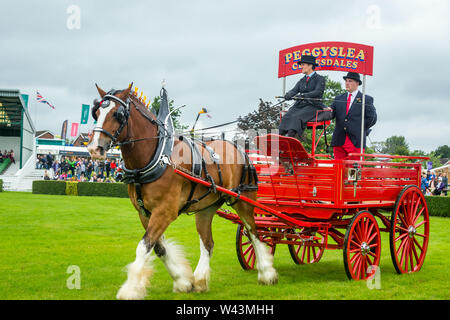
<point>97,151</point>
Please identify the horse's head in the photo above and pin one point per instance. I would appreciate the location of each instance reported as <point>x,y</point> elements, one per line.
<point>111,114</point>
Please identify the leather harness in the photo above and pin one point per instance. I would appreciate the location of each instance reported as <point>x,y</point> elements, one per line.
<point>161,158</point>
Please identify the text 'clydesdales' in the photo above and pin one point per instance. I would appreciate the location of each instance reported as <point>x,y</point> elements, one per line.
<point>340,56</point>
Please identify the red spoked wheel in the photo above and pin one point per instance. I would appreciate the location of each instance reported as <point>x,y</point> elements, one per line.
<point>308,251</point>
<point>245,250</point>
<point>410,230</point>
<point>362,246</point>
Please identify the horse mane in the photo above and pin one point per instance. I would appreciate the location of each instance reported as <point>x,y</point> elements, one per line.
<point>141,105</point>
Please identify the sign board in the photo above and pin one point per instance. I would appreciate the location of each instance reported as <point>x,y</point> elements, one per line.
<point>337,56</point>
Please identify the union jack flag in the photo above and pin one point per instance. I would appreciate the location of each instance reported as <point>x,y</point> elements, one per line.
<point>41,99</point>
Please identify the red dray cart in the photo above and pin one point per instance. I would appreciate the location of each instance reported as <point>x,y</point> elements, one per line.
<point>314,204</point>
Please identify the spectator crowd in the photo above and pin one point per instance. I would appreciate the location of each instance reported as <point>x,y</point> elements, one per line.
<point>7,154</point>
<point>79,169</point>
<point>434,185</point>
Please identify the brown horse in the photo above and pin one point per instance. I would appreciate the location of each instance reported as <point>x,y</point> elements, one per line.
<point>125,121</point>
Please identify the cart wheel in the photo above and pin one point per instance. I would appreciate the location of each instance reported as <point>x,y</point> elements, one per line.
<point>362,246</point>
<point>308,251</point>
<point>244,248</point>
<point>410,230</point>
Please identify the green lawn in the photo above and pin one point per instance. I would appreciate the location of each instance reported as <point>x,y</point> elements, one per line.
<point>42,235</point>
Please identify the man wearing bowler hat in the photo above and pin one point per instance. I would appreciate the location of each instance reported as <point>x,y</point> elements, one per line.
<point>347,109</point>
<point>308,92</point>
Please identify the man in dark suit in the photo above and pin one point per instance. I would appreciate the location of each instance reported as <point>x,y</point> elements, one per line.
<point>308,92</point>
<point>347,109</point>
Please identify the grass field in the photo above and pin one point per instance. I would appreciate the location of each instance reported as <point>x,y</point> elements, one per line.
<point>42,235</point>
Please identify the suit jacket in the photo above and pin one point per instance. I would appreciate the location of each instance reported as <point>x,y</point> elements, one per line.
<point>350,124</point>
<point>312,91</point>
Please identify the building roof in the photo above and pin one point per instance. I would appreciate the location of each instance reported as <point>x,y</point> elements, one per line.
<point>42,132</point>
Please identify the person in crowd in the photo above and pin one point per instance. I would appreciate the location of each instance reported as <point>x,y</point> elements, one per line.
<point>46,175</point>
<point>113,167</point>
<point>444,184</point>
<point>107,167</point>
<point>93,177</point>
<point>49,159</point>
<point>78,169</point>
<point>347,110</point>
<point>83,167</point>
<point>56,168</point>
<point>423,184</point>
<point>308,92</point>
<point>11,156</point>
<point>72,164</point>
<point>439,185</point>
<point>89,169</point>
<point>1,156</point>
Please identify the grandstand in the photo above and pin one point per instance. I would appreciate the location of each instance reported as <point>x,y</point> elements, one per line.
<point>16,133</point>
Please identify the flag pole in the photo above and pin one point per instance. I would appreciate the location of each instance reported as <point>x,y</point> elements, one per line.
<point>35,109</point>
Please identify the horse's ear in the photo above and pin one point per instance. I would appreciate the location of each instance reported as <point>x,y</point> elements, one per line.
<point>100,91</point>
<point>124,94</point>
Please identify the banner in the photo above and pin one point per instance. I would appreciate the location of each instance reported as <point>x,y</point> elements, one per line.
<point>64,130</point>
<point>338,56</point>
<point>84,114</point>
<point>74,129</point>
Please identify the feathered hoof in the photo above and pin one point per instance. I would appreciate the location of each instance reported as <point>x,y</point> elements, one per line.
<point>268,277</point>
<point>201,285</point>
<point>127,292</point>
<point>183,285</point>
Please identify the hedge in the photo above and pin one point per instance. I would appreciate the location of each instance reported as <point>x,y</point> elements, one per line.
<point>438,206</point>
<point>1,185</point>
<point>73,188</point>
<point>103,189</point>
<point>49,187</point>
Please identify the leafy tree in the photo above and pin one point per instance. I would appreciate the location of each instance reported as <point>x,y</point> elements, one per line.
<point>267,117</point>
<point>396,145</point>
<point>443,151</point>
<point>176,115</point>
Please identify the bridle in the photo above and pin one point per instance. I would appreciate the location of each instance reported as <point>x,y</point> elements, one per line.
<point>122,114</point>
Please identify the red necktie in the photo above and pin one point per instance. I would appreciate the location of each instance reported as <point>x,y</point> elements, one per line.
<point>307,79</point>
<point>348,101</point>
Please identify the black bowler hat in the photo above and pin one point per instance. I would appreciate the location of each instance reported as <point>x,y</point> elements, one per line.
<point>308,59</point>
<point>354,76</point>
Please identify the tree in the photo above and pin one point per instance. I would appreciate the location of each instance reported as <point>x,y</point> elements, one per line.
<point>443,151</point>
<point>396,145</point>
<point>176,115</point>
<point>267,117</point>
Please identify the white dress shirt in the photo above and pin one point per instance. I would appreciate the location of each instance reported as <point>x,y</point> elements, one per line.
<point>354,93</point>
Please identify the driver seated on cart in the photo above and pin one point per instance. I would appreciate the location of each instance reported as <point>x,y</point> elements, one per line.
<point>347,109</point>
<point>308,92</point>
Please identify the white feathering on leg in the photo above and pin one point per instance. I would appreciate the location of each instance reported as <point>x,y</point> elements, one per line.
<point>139,272</point>
<point>177,266</point>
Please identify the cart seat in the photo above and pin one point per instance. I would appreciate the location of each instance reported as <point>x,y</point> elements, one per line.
<point>323,117</point>
<point>287,148</point>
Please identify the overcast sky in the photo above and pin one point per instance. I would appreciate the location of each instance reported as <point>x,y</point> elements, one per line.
<point>223,55</point>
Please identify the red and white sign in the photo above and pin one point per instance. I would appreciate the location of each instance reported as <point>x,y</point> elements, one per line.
<point>74,129</point>
<point>338,56</point>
